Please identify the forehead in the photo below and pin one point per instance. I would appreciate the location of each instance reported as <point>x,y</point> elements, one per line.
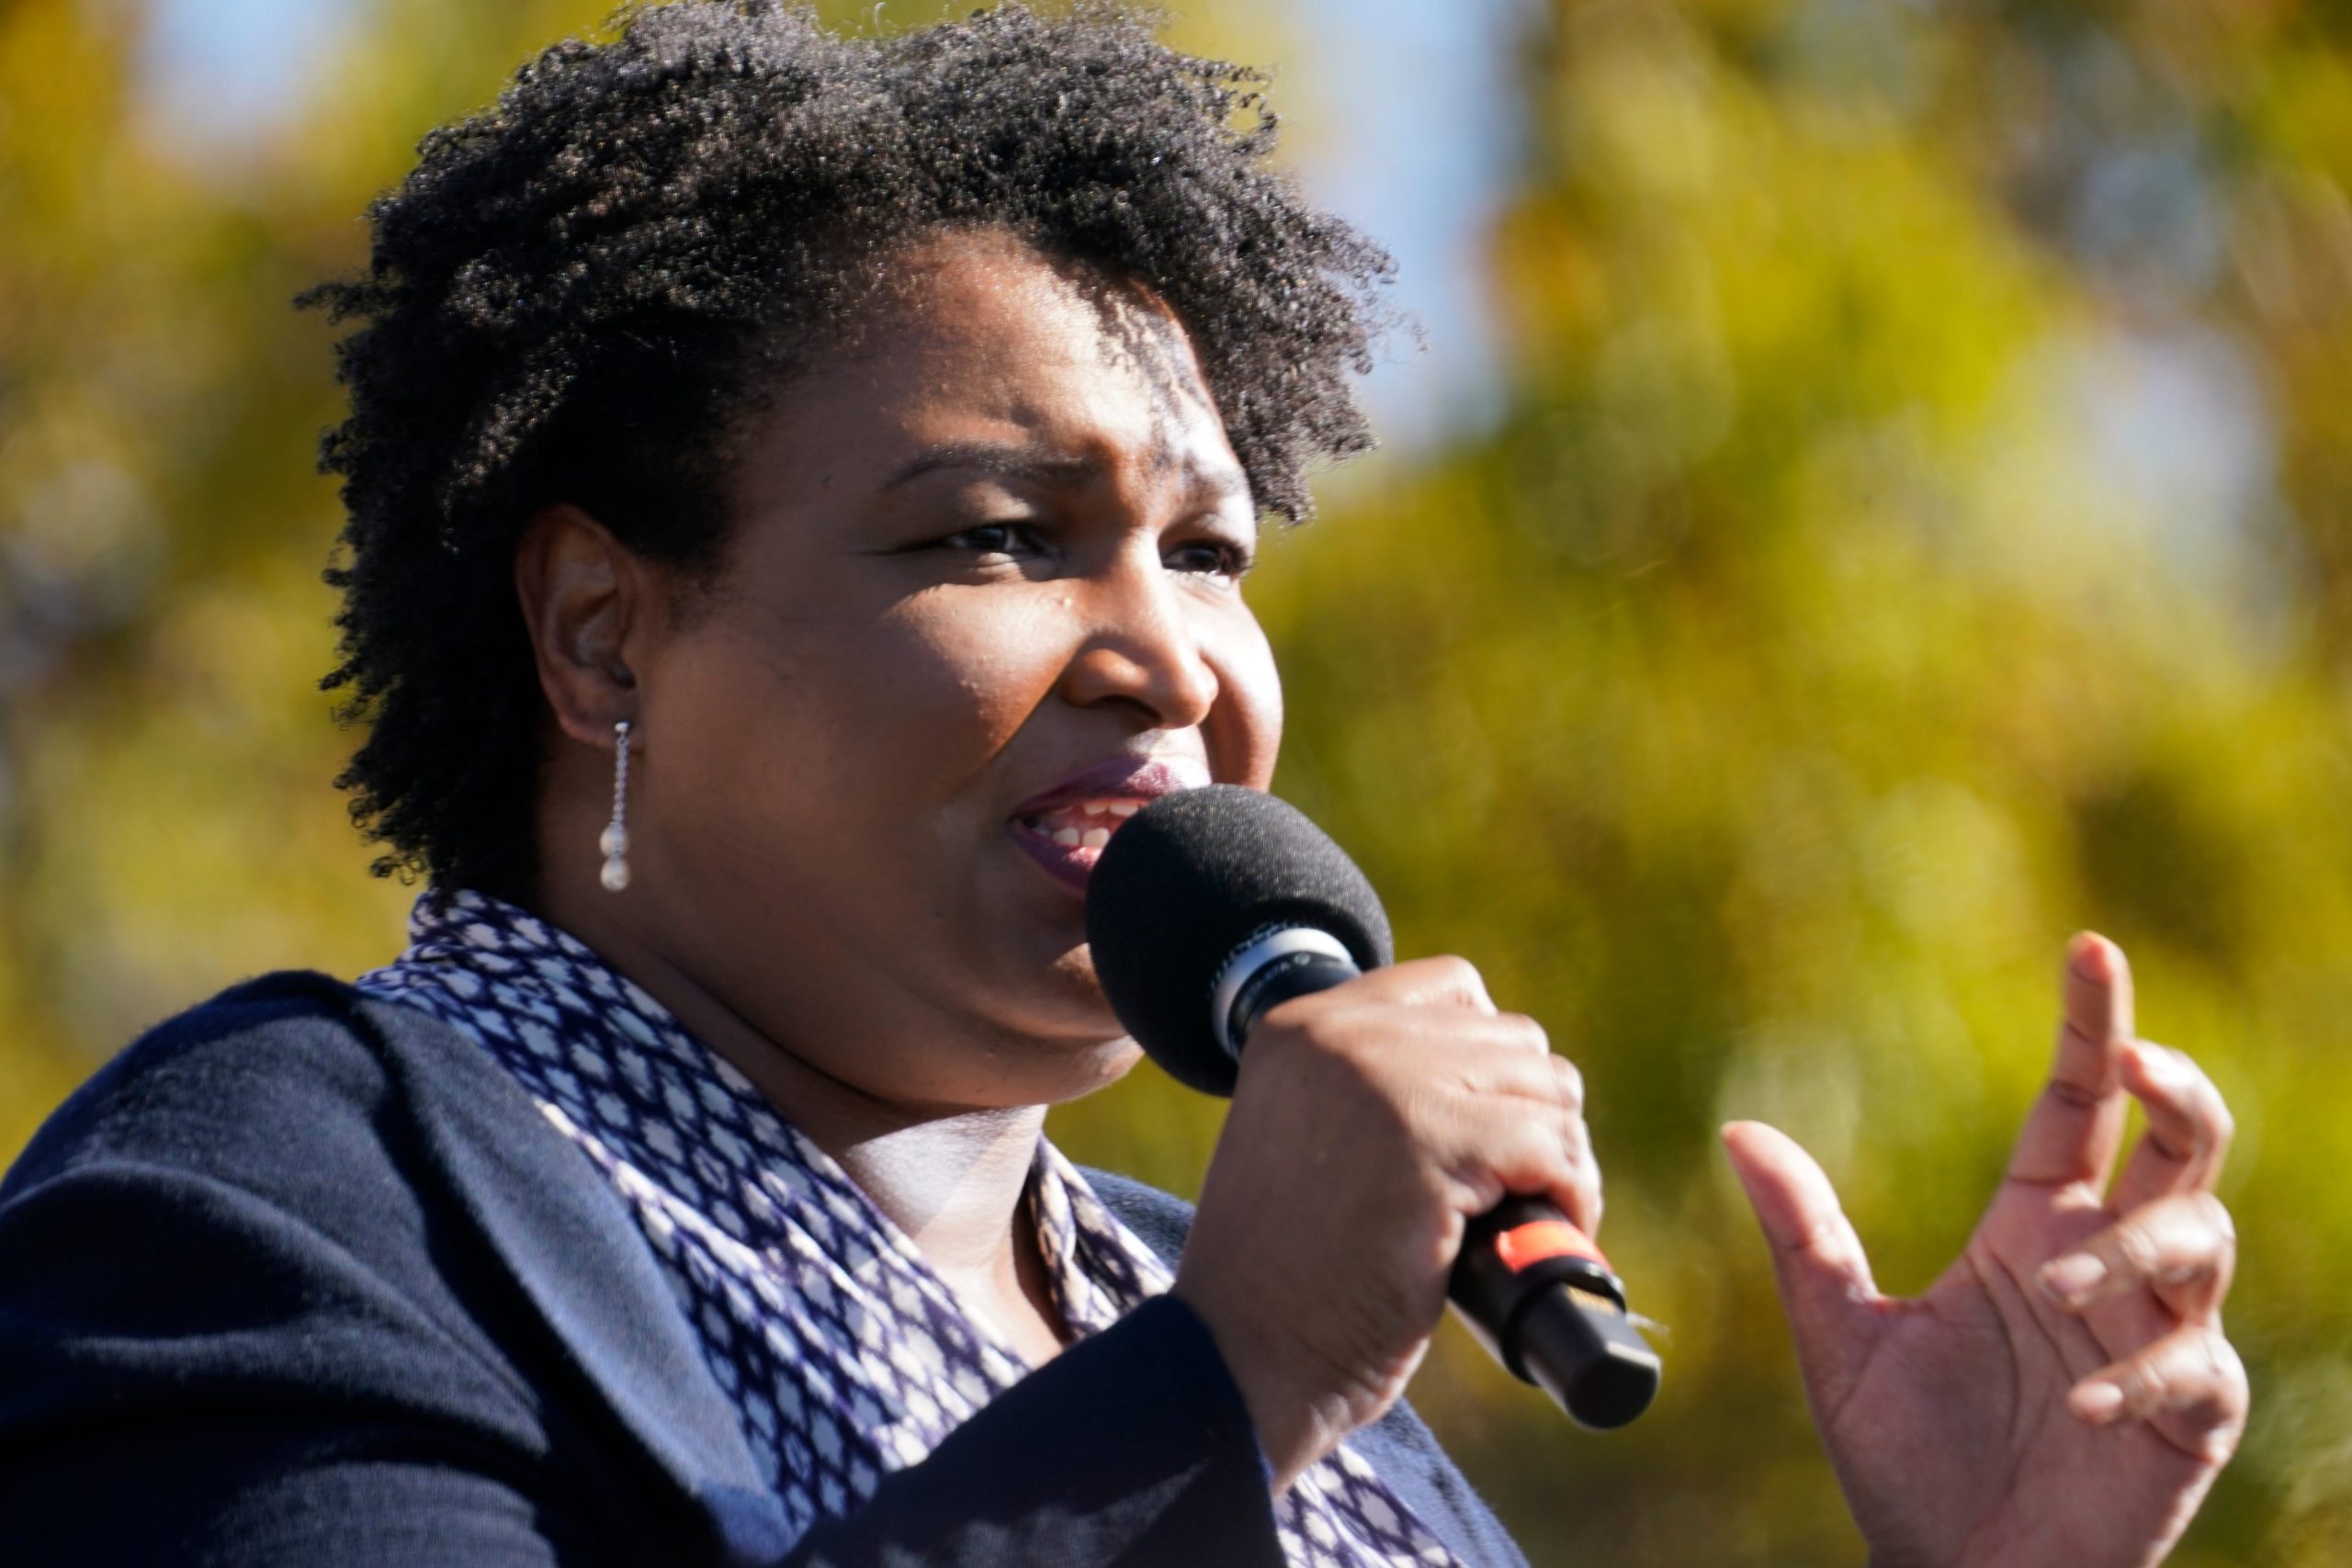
<point>987,299</point>
<point>977,336</point>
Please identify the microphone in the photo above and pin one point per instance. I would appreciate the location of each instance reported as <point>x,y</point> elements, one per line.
<point>1212,906</point>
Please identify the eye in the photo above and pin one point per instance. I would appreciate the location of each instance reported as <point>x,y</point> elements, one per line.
<point>1216,558</point>
<point>995,539</point>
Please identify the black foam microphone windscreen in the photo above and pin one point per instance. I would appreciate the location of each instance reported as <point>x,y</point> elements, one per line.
<point>1211,906</point>
<point>1184,884</point>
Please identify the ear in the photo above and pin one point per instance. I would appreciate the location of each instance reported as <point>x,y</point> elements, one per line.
<point>589,603</point>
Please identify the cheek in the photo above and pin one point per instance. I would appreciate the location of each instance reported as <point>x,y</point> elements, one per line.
<point>955,675</point>
<point>880,716</point>
<point>1246,731</point>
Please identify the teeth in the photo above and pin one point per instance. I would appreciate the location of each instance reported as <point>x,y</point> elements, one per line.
<point>1086,823</point>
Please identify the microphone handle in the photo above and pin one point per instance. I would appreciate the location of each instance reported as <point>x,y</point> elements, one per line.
<point>1530,1286</point>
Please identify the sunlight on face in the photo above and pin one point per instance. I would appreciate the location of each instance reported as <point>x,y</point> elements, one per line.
<point>983,597</point>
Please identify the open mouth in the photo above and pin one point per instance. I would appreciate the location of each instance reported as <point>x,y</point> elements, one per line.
<point>1083,825</point>
<point>1065,829</point>
<point>1068,840</point>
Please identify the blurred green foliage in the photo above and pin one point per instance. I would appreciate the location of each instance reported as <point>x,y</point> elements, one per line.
<point>1919,525</point>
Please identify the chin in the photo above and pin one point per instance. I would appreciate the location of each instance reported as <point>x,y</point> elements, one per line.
<point>1102,1064</point>
<point>1033,1068</point>
<point>1070,1004</point>
<point>1062,1014</point>
<point>1080,995</point>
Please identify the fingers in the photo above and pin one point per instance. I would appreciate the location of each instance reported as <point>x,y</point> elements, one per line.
<point>1796,1206</point>
<point>1552,1141</point>
<point>2190,1385</point>
<point>2183,1247</point>
<point>1427,982</point>
<point>1491,1110</point>
<point>1530,1156</point>
<point>2188,1127</point>
<point>1518,1123</point>
<point>1824,1277</point>
<point>2072,1133</point>
<point>2186,1383</point>
<point>2074,1129</point>
<point>1370,1122</point>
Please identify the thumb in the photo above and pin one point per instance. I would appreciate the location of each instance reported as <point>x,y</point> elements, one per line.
<point>1825,1278</point>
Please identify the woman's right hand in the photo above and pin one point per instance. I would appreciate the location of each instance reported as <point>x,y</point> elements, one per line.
<point>1371,1122</point>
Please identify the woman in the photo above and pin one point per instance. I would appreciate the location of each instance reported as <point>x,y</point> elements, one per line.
<point>799,492</point>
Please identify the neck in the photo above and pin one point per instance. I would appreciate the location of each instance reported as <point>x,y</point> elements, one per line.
<point>950,1176</point>
<point>953,1183</point>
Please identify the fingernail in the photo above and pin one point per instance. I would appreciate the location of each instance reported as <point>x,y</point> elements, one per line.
<point>2074,1276</point>
<point>2088,957</point>
<point>2098,1402</point>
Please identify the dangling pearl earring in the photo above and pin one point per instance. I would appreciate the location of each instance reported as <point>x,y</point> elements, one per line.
<point>613,841</point>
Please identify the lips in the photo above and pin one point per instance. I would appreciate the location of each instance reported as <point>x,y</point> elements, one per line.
<point>1065,829</point>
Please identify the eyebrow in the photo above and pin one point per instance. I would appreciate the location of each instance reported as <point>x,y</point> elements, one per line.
<point>1020,462</point>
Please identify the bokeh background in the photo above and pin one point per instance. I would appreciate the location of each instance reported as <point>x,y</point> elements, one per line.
<point>1876,496</point>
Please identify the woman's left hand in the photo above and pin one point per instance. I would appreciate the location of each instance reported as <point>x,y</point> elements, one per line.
<point>2064,1393</point>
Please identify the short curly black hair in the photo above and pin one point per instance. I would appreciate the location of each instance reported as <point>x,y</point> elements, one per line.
<point>579,292</point>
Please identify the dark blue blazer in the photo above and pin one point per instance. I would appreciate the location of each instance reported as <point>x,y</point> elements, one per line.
<point>303,1279</point>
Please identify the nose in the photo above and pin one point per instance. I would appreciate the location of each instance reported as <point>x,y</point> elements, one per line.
<point>1140,646</point>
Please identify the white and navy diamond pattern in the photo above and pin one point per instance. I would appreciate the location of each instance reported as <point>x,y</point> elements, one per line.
<point>845,1355</point>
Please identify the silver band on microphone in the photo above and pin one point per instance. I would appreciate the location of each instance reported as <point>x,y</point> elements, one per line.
<point>1283,942</point>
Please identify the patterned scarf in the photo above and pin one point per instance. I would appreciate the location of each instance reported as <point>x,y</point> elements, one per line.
<point>845,1354</point>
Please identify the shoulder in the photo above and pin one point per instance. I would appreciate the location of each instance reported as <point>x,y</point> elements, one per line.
<point>285,1133</point>
<point>293,1080</point>
<point>375,1159</point>
<point>235,1199</point>
<point>299,1200</point>
<point>274,1062</point>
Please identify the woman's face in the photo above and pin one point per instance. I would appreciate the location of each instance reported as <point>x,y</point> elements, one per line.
<point>983,598</point>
